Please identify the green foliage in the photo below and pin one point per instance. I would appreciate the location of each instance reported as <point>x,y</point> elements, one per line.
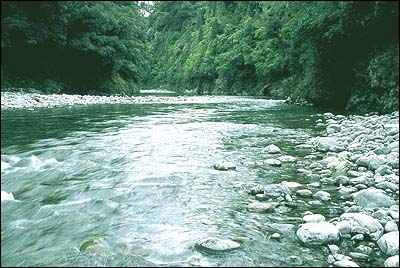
<point>82,44</point>
<point>338,54</point>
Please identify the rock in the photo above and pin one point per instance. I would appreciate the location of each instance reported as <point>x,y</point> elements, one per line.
<point>276,236</point>
<point>371,161</point>
<point>345,263</point>
<point>373,198</point>
<point>215,244</point>
<point>391,226</point>
<point>6,196</point>
<point>339,166</point>
<point>322,195</point>
<point>276,190</point>
<point>359,256</point>
<point>261,197</point>
<point>287,158</point>
<point>291,184</point>
<point>224,165</point>
<point>347,222</point>
<point>392,261</point>
<point>389,243</point>
<point>273,162</point>
<point>261,207</point>
<point>272,149</point>
<point>318,233</point>
<point>387,185</point>
<point>304,192</point>
<point>314,218</point>
<point>326,143</point>
<point>346,191</point>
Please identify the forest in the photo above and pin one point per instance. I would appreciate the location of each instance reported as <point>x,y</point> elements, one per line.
<point>342,55</point>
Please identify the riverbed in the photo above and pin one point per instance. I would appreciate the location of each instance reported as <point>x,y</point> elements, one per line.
<point>133,184</point>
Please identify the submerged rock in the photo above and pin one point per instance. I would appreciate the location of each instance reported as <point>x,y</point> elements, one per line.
<point>287,158</point>
<point>261,207</point>
<point>318,233</point>
<point>215,244</point>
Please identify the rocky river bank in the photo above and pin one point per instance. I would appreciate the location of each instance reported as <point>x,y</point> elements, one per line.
<point>354,168</point>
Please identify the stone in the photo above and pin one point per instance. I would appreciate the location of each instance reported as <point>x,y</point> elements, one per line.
<point>389,243</point>
<point>339,166</point>
<point>304,192</point>
<point>318,233</point>
<point>326,143</point>
<point>215,244</point>
<point>313,218</point>
<point>273,162</point>
<point>261,207</point>
<point>391,226</point>
<point>392,261</point>
<point>387,185</point>
<point>291,184</point>
<point>6,196</point>
<point>348,221</point>
<point>345,263</point>
<point>287,158</point>
<point>346,191</point>
<point>373,198</point>
<point>276,236</point>
<point>322,195</point>
<point>224,165</point>
<point>276,190</point>
<point>272,149</point>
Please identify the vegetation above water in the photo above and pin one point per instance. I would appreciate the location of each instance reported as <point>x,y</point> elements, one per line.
<point>337,54</point>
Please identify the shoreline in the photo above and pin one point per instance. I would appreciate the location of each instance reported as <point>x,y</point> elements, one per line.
<point>19,100</point>
<point>353,169</point>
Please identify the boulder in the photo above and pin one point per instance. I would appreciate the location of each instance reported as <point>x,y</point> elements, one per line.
<point>371,198</point>
<point>313,218</point>
<point>318,233</point>
<point>345,263</point>
<point>261,207</point>
<point>287,158</point>
<point>389,243</point>
<point>392,261</point>
<point>326,143</point>
<point>348,221</point>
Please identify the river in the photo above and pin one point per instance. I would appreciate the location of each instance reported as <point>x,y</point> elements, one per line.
<point>133,184</point>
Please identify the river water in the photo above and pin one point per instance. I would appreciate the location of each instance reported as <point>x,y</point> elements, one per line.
<point>133,184</point>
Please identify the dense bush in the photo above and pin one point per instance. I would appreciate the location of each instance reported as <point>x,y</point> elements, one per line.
<point>84,46</point>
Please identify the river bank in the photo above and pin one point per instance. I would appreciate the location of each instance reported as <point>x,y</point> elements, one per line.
<point>354,165</point>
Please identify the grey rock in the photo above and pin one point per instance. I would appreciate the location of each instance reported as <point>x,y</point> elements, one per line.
<point>216,244</point>
<point>224,165</point>
<point>323,196</point>
<point>345,263</point>
<point>391,226</point>
<point>373,198</point>
<point>272,149</point>
<point>273,162</point>
<point>326,143</point>
<point>313,218</point>
<point>347,221</point>
<point>304,192</point>
<point>392,261</point>
<point>261,207</point>
<point>318,233</point>
<point>389,243</point>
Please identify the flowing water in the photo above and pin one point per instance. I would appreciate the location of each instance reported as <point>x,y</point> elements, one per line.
<point>133,184</point>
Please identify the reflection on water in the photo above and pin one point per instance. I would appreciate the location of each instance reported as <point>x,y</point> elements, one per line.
<point>133,185</point>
